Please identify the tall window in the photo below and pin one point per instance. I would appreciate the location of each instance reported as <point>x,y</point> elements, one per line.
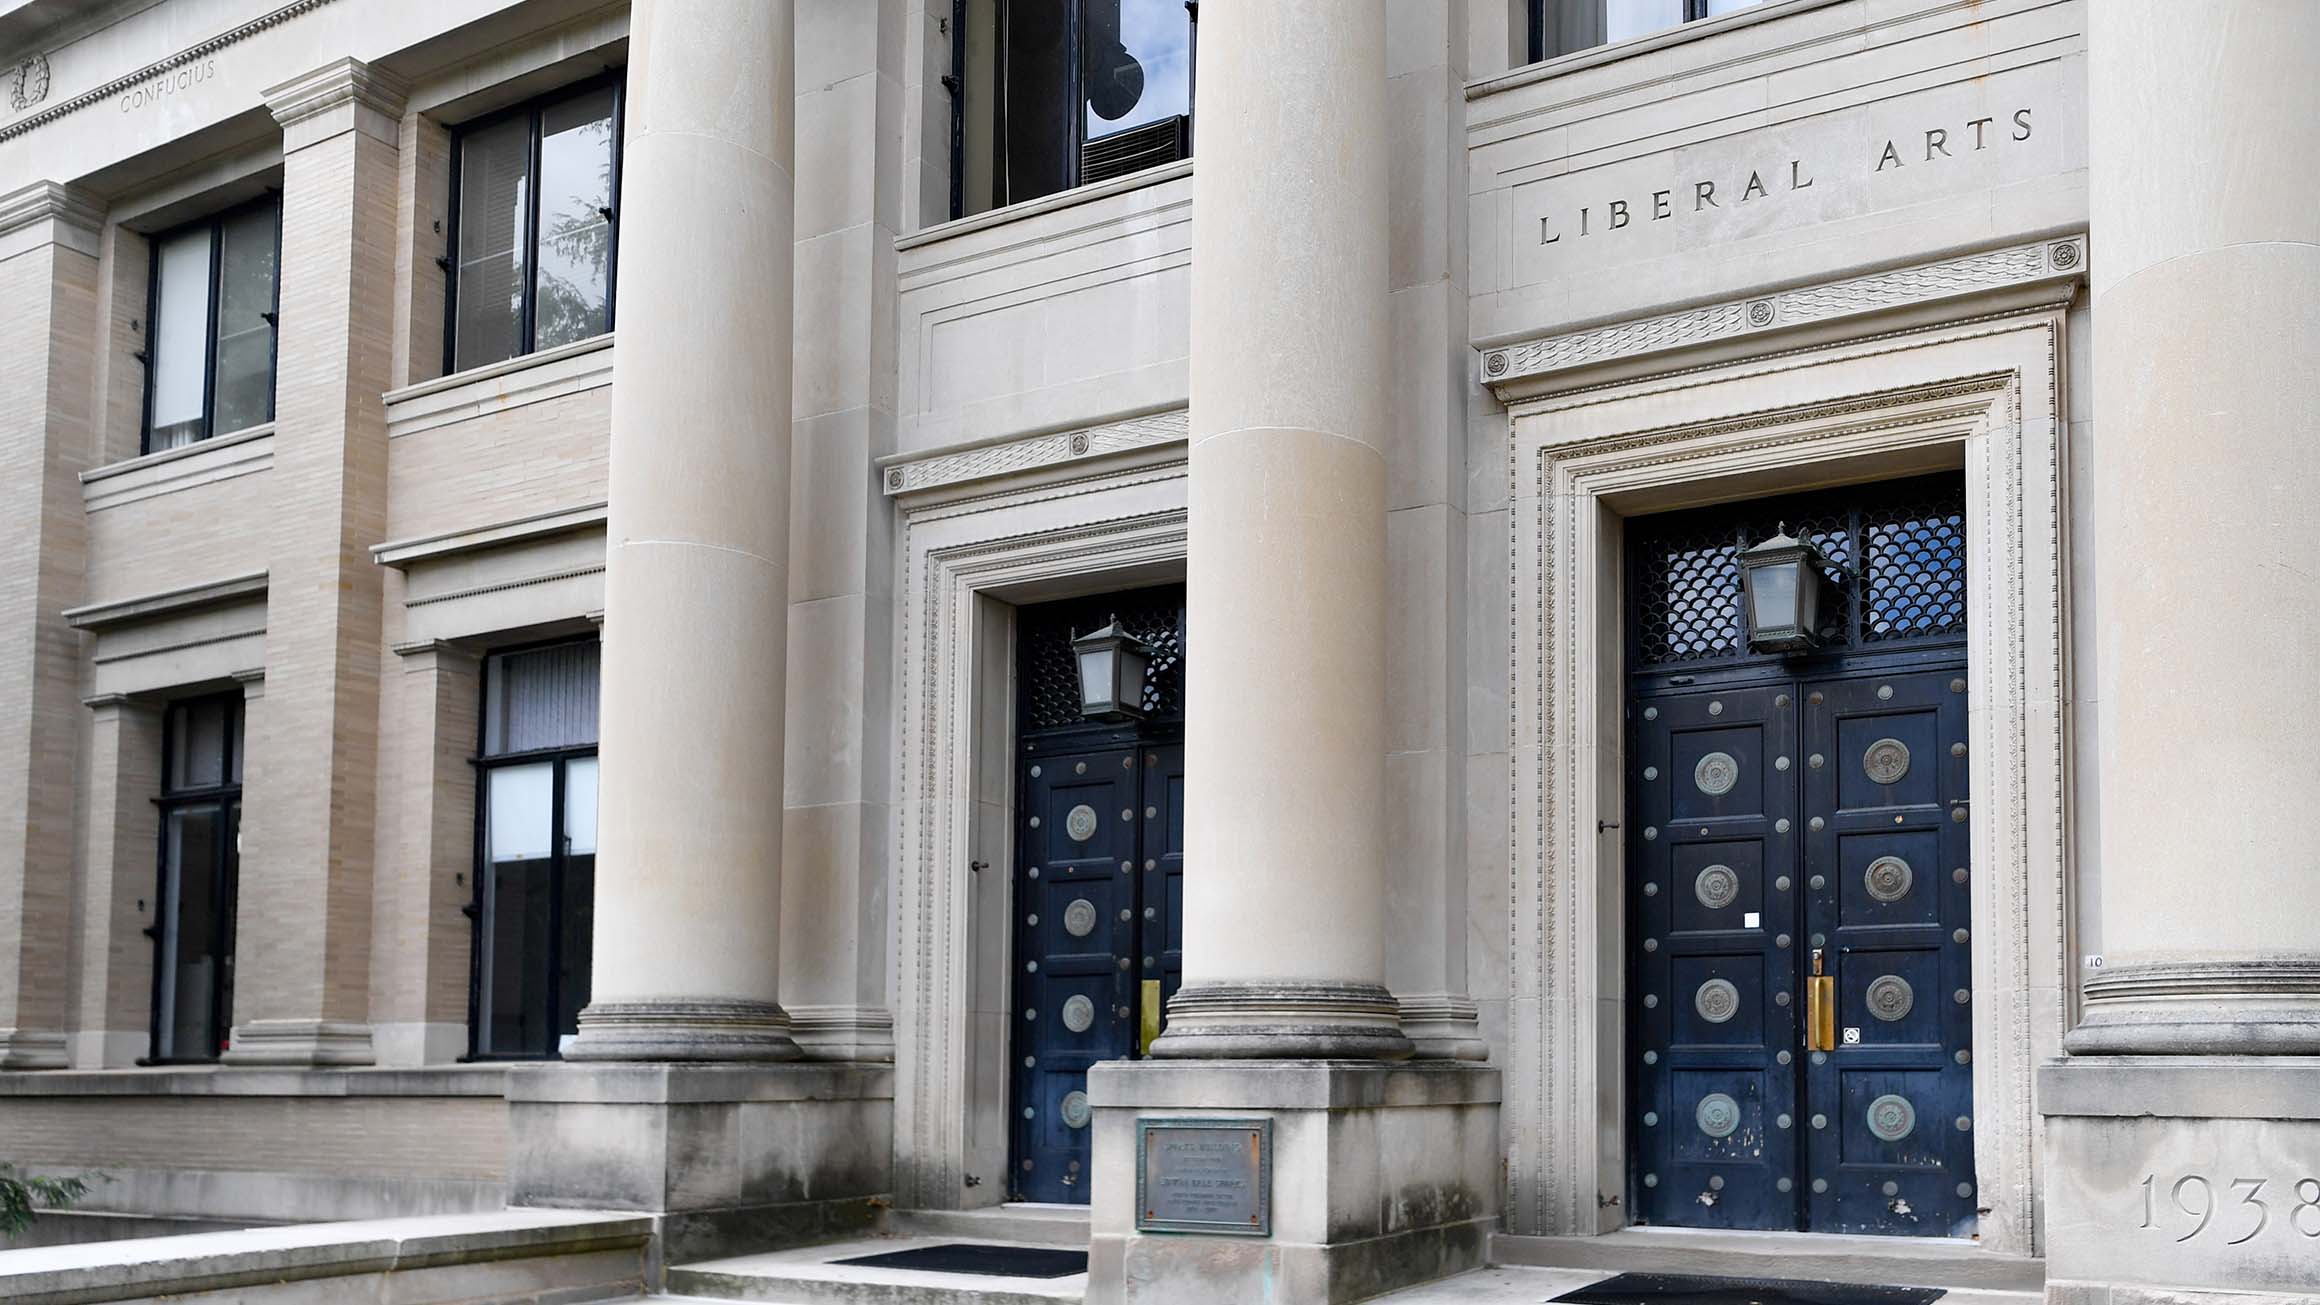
<point>1562,26</point>
<point>193,934</point>
<point>209,349</point>
<point>534,225</point>
<point>1052,94</point>
<point>536,884</point>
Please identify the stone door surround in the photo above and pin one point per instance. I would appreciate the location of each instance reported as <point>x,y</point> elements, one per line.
<point>1971,383</point>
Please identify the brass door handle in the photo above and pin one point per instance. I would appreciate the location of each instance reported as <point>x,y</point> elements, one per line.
<point>1820,1008</point>
<point>1151,1021</point>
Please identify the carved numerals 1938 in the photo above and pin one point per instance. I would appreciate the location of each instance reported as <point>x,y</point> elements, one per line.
<point>2242,1205</point>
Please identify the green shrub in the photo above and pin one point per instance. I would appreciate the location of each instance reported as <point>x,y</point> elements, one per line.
<point>23,1195</point>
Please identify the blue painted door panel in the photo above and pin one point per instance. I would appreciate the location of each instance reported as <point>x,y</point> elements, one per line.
<point>1098,877</point>
<point>1767,823</point>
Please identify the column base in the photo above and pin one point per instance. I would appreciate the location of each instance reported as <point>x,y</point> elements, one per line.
<point>2253,1006</point>
<point>303,1043</point>
<point>843,1032</point>
<point>2172,1176</point>
<point>1383,1176</point>
<point>1443,1026</point>
<point>1283,1021</point>
<point>684,1030</point>
<point>731,1158</point>
<point>27,1049</point>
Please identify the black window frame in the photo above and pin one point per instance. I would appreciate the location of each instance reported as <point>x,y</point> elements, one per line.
<point>535,109</point>
<point>1536,12</point>
<point>215,223</point>
<point>1074,99</point>
<point>226,862</point>
<point>483,762</point>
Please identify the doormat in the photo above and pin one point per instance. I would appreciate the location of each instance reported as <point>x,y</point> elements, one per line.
<point>980,1257</point>
<point>1680,1289</point>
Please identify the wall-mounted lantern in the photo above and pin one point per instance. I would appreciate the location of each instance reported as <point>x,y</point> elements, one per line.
<point>1786,581</point>
<point>1112,665</point>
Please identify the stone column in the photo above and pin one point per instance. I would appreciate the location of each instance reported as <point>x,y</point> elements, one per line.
<point>302,916</point>
<point>688,879</point>
<point>841,580</point>
<point>2206,278</point>
<point>1285,710</point>
<point>48,275</point>
<point>2193,1079</point>
<point>114,1023</point>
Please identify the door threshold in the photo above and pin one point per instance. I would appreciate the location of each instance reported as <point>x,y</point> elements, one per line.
<point>1832,1257</point>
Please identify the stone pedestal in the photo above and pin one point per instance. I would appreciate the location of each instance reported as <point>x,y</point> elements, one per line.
<point>2194,1173</point>
<point>729,1158</point>
<point>1382,1176</point>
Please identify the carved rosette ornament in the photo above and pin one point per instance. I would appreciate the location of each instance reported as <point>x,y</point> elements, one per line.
<point>1888,878</point>
<point>1079,918</point>
<point>1717,887</point>
<point>1716,1001</point>
<point>1890,997</point>
<point>1892,1118</point>
<point>1075,1109</point>
<point>1079,1014</point>
<point>1886,761</point>
<point>1716,773</point>
<point>1080,823</point>
<point>1717,1115</point>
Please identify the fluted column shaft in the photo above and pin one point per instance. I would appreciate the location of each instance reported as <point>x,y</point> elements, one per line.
<point>1285,711</point>
<point>2205,215</point>
<point>688,881</point>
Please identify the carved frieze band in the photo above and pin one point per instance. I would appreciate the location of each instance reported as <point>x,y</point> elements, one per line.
<point>242,31</point>
<point>2047,260</point>
<point>1037,451</point>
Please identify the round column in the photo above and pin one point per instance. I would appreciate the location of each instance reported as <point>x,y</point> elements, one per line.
<point>1285,691</point>
<point>688,879</point>
<point>2205,214</point>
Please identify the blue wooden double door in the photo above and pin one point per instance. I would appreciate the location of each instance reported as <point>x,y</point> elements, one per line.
<point>1098,943</point>
<point>1800,990</point>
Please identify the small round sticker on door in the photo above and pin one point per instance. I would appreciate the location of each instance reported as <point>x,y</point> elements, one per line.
<point>1081,823</point>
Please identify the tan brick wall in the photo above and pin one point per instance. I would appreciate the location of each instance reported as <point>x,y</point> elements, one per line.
<point>114,959</point>
<point>187,536</point>
<point>306,867</point>
<point>536,458</point>
<point>432,1137</point>
<point>419,970</point>
<point>46,346</point>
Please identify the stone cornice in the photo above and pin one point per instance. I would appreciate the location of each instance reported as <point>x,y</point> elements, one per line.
<point>159,66</point>
<point>909,475</point>
<point>1503,367</point>
<point>209,593</point>
<point>335,85</point>
<point>45,200</point>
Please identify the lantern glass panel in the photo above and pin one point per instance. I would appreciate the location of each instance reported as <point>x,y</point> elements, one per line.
<point>1133,664</point>
<point>1772,595</point>
<point>1095,678</point>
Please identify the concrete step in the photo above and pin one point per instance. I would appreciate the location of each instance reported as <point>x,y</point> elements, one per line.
<point>808,1276</point>
<point>1825,1257</point>
<point>1022,1222</point>
<point>1527,1286</point>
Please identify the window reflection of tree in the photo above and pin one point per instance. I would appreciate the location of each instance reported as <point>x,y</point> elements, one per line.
<point>575,253</point>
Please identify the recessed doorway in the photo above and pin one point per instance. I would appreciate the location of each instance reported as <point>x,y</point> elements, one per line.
<point>1799,881</point>
<point>1098,880</point>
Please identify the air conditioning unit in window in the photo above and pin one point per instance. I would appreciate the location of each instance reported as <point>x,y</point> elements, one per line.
<point>1134,150</point>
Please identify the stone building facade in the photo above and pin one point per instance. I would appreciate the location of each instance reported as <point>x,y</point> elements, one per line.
<point>442,770</point>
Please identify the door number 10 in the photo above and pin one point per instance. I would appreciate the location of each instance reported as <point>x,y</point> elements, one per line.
<point>2195,1198</point>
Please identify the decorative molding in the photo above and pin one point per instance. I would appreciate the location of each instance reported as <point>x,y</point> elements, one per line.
<point>403,553</point>
<point>923,473</point>
<point>502,586</point>
<point>204,462</point>
<point>949,1096</point>
<point>167,602</point>
<point>2017,265</point>
<point>43,201</point>
<point>497,387</point>
<point>1987,387</point>
<point>339,84</point>
<point>159,66</point>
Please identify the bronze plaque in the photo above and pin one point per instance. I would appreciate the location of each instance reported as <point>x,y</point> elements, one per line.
<point>1205,1176</point>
